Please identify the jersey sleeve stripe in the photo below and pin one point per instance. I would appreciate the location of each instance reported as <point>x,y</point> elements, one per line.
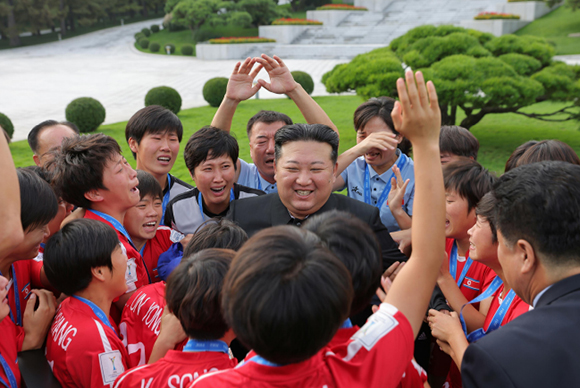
<point>130,371</point>
<point>103,335</point>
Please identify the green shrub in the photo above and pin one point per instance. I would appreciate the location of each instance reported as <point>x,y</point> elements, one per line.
<point>146,32</point>
<point>7,125</point>
<point>171,48</point>
<point>214,90</point>
<point>138,36</point>
<point>305,80</point>
<point>86,112</point>
<point>143,42</point>
<point>165,96</point>
<point>187,49</point>
<point>522,64</point>
<point>155,28</point>
<point>154,47</point>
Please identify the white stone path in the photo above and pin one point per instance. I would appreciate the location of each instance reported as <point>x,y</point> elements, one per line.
<point>37,82</point>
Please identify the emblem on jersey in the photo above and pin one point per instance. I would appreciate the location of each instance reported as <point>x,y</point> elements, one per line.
<point>111,366</point>
<point>379,325</point>
<point>131,273</point>
<point>357,190</point>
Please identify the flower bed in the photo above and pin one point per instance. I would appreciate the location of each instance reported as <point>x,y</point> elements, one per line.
<point>296,22</point>
<point>340,7</point>
<point>495,15</point>
<point>241,39</point>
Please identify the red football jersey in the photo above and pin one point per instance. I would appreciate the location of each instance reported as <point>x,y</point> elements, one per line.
<point>135,276</point>
<point>10,345</point>
<point>82,350</point>
<point>176,369</point>
<point>26,275</point>
<point>386,340</point>
<point>140,322</point>
<point>164,238</point>
<point>477,279</point>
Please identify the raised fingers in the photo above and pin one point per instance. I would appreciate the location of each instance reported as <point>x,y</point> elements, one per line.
<point>421,89</point>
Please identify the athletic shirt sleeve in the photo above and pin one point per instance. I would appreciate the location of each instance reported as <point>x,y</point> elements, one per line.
<point>10,345</point>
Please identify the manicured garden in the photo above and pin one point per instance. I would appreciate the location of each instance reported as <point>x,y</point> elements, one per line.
<point>498,134</point>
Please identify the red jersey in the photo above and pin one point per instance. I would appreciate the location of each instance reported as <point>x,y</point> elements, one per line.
<point>25,275</point>
<point>164,238</point>
<point>477,278</point>
<point>135,276</point>
<point>140,322</point>
<point>82,350</point>
<point>10,345</point>
<point>176,369</point>
<point>386,340</point>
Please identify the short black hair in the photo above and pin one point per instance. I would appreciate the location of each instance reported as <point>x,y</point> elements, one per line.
<point>148,185</point>
<point>216,233</point>
<point>286,295</point>
<point>73,251</point>
<point>458,141</point>
<point>193,293</point>
<point>33,134</point>
<point>209,143</point>
<point>46,176</point>
<point>512,161</point>
<point>547,150</point>
<point>79,164</point>
<point>469,179</point>
<point>540,203</point>
<point>486,209</point>
<point>153,119</point>
<point>268,117</point>
<point>38,202</point>
<point>306,132</point>
<point>354,243</point>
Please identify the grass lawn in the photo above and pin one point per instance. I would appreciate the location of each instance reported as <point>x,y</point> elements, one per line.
<point>499,135</point>
<point>556,26</point>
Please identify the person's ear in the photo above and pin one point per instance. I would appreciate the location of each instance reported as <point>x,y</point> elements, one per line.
<point>334,171</point>
<point>99,273</point>
<point>526,256</point>
<point>275,171</point>
<point>133,145</point>
<point>36,159</point>
<point>399,138</point>
<point>94,195</point>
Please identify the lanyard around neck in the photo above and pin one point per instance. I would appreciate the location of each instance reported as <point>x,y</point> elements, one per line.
<point>453,265</point>
<point>18,320</point>
<point>116,224</point>
<point>194,345</point>
<point>97,311</point>
<point>12,383</point>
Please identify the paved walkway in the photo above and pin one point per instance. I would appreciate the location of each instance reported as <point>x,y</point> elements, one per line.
<point>569,59</point>
<point>37,83</point>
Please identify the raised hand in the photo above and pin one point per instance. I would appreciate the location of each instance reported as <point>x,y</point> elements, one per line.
<point>241,83</point>
<point>281,80</point>
<point>398,188</point>
<point>380,140</point>
<point>37,321</point>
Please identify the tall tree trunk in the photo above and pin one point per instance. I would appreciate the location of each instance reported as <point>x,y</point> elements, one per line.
<point>12,27</point>
<point>62,18</point>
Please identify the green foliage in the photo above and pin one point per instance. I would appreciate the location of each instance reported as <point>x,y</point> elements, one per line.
<point>86,112</point>
<point>139,35</point>
<point>558,81</point>
<point>171,48</point>
<point>166,97</point>
<point>154,47</point>
<point>214,90</point>
<point>187,49</point>
<point>155,28</point>
<point>305,80</point>
<point>238,18</point>
<point>6,123</point>
<point>522,64</point>
<point>196,13</point>
<point>146,32</point>
<point>143,42</point>
<point>263,12</point>
<point>533,46</point>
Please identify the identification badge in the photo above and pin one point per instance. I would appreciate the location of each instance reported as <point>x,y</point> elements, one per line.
<point>131,273</point>
<point>175,236</point>
<point>378,325</point>
<point>111,366</point>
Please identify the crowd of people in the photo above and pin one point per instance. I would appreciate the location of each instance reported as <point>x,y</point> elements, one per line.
<point>429,272</point>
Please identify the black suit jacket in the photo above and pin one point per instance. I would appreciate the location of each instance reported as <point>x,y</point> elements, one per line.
<point>257,213</point>
<point>540,348</point>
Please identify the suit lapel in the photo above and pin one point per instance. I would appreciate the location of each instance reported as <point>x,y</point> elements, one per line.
<point>278,213</point>
<point>560,289</point>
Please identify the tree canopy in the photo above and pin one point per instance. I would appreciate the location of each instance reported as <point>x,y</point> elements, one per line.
<point>474,71</point>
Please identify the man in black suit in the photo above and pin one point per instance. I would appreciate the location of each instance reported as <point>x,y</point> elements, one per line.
<point>305,166</point>
<point>538,222</point>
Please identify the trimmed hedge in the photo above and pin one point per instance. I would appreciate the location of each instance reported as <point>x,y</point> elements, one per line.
<point>495,15</point>
<point>86,112</point>
<point>6,123</point>
<point>165,96</point>
<point>154,28</point>
<point>143,42</point>
<point>214,90</point>
<point>154,47</point>
<point>146,32</point>
<point>139,35</point>
<point>187,49</point>
<point>305,80</point>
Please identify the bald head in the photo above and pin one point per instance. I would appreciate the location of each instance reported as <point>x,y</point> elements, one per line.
<point>48,135</point>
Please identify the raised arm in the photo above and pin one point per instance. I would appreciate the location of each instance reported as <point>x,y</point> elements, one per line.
<point>282,82</point>
<point>240,87</point>
<point>11,234</point>
<point>418,118</point>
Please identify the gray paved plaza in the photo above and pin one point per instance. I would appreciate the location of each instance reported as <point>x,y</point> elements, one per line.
<point>37,82</point>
